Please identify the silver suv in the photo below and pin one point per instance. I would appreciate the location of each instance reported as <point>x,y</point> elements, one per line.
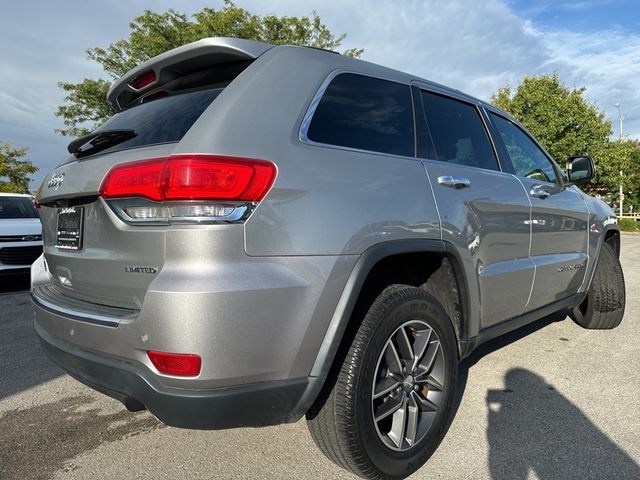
<point>261,233</point>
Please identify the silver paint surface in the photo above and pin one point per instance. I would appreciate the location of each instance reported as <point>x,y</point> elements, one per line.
<point>255,299</point>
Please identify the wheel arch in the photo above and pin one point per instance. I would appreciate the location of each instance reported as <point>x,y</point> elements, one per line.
<point>612,237</point>
<point>372,273</point>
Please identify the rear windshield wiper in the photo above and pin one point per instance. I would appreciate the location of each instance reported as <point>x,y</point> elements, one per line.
<point>99,141</point>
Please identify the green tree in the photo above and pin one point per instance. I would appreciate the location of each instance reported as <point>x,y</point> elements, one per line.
<point>620,156</point>
<point>559,117</point>
<point>567,124</point>
<point>85,106</point>
<point>14,169</point>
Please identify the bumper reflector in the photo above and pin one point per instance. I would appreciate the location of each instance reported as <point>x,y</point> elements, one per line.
<point>179,364</point>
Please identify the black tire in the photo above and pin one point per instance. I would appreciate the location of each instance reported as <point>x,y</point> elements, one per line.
<point>342,421</point>
<point>604,306</point>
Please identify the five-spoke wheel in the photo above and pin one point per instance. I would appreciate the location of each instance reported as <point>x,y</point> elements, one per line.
<point>407,387</point>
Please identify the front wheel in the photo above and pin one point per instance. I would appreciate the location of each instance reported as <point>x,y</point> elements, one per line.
<point>604,306</point>
<point>391,401</point>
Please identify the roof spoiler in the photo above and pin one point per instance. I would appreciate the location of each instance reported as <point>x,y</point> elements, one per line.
<point>179,61</point>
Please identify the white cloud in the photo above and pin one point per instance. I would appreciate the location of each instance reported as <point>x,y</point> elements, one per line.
<point>607,63</point>
<point>478,47</point>
<point>474,46</point>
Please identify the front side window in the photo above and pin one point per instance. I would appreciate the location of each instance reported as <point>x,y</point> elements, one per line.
<point>527,158</point>
<point>365,113</point>
<point>457,132</point>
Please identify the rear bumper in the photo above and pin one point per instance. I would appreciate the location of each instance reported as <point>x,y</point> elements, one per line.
<point>259,404</point>
<point>251,320</point>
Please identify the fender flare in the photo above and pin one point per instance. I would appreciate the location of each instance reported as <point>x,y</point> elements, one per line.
<point>601,239</point>
<point>344,309</point>
<point>346,304</point>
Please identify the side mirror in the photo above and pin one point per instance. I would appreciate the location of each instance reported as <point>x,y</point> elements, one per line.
<point>580,169</point>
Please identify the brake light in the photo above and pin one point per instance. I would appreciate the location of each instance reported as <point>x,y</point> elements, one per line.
<point>179,364</point>
<point>144,80</point>
<point>191,177</point>
<point>187,189</point>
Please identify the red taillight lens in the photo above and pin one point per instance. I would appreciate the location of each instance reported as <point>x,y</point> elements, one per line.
<point>144,80</point>
<point>139,179</point>
<point>180,364</point>
<point>191,177</point>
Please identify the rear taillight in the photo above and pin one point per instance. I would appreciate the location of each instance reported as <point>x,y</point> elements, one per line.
<point>138,179</point>
<point>179,364</point>
<point>187,187</point>
<point>191,177</point>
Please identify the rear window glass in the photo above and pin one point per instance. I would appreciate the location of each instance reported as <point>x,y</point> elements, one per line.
<point>457,132</point>
<point>163,120</point>
<point>17,207</point>
<point>365,113</point>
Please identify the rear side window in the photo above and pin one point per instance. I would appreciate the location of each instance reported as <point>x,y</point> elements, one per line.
<point>17,207</point>
<point>163,120</point>
<point>366,113</point>
<point>457,132</point>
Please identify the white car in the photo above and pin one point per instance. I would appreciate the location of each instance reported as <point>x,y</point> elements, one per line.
<point>20,232</point>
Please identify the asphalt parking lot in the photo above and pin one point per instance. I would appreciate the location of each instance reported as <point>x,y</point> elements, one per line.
<point>551,401</point>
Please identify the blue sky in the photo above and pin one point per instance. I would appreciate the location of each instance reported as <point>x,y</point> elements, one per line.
<point>475,46</point>
<point>576,15</point>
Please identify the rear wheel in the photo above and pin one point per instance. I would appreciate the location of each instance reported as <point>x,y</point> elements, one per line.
<point>604,306</point>
<point>391,401</point>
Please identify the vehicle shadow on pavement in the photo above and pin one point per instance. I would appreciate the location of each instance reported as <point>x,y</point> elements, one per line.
<point>533,427</point>
<point>23,364</point>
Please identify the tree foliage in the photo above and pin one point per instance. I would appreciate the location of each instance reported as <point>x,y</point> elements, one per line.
<point>14,169</point>
<point>152,33</point>
<point>567,124</point>
<point>560,118</point>
<point>622,156</point>
<point>620,164</point>
<point>85,104</point>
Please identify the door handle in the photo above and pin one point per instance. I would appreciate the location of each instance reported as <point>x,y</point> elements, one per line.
<point>454,182</point>
<point>539,191</point>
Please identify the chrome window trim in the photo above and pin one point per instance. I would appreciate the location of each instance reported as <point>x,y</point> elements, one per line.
<point>313,105</point>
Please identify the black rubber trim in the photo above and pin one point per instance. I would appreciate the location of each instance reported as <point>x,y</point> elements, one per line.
<point>352,289</point>
<point>591,271</point>
<point>253,405</point>
<point>463,289</point>
<point>424,143</point>
<point>605,231</point>
<point>494,331</point>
